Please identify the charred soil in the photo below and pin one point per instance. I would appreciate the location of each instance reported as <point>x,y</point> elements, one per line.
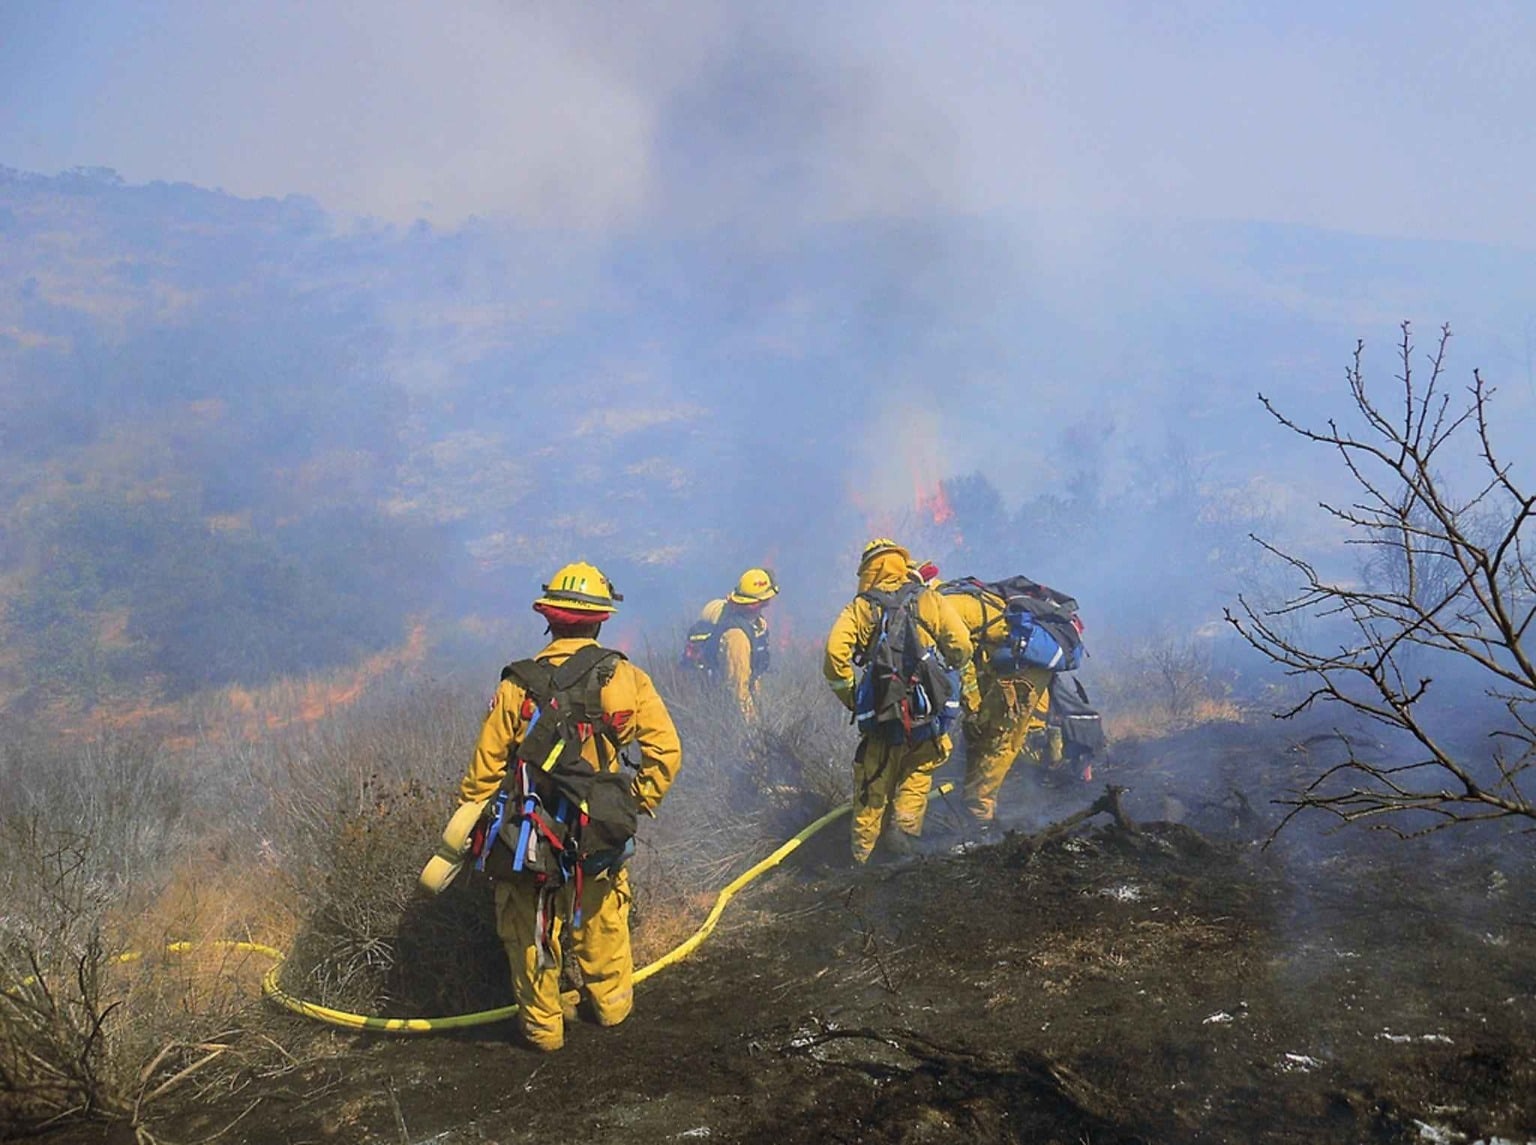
<point>1159,979</point>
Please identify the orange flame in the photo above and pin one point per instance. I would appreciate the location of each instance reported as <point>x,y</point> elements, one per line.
<point>933,503</point>
<point>248,713</point>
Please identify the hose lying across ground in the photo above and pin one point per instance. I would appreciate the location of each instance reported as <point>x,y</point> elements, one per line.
<point>271,988</point>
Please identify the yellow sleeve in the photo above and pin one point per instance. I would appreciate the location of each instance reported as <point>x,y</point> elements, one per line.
<point>661,751</point>
<point>954,639</point>
<point>737,655</point>
<point>850,632</point>
<point>1040,681</point>
<point>503,727</point>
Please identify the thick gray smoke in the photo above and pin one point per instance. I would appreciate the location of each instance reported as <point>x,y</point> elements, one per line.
<point>685,288</point>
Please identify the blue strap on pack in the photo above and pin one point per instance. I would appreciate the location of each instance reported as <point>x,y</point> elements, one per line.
<point>498,813</point>
<point>529,803</point>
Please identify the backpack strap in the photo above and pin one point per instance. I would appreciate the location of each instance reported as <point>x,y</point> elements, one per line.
<point>984,594</point>
<point>543,680</point>
<point>533,676</point>
<point>884,601</point>
<point>746,625</point>
<point>904,598</point>
<point>592,663</point>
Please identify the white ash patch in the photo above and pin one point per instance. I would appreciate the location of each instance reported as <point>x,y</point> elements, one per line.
<point>1125,892</point>
<point>1438,1134</point>
<point>1299,1063</point>
<point>1406,1039</point>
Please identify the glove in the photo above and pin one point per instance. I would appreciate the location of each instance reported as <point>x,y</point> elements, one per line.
<point>970,700</point>
<point>843,690</point>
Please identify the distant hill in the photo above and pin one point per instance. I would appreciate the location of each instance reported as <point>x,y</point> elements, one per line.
<point>244,438</point>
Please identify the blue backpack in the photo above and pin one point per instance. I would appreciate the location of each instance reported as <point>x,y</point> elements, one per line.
<point>1043,630</point>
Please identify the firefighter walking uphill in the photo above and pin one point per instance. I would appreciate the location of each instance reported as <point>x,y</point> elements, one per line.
<point>728,644</point>
<point>915,657</point>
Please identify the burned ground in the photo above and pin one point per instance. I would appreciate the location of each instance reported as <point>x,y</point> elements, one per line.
<point>1175,982</point>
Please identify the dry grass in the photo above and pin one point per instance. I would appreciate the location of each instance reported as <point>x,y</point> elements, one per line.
<point>120,846</point>
<point>84,1032</point>
<point>1063,962</point>
<point>1152,721</point>
<point>311,842</point>
<point>1161,684</point>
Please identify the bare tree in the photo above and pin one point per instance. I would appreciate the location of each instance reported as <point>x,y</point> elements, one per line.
<point>1449,586</point>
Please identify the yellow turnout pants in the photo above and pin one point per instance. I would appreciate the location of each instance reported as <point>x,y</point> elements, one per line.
<point>601,947</point>
<point>891,784</point>
<point>994,736</point>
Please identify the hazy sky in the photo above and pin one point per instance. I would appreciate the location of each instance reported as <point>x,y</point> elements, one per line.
<point>1400,117</point>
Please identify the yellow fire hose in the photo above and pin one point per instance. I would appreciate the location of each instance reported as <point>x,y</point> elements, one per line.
<point>271,989</point>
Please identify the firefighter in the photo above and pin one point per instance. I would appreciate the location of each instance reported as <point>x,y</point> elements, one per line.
<point>729,643</point>
<point>1012,705</point>
<point>530,918</point>
<point>894,765</point>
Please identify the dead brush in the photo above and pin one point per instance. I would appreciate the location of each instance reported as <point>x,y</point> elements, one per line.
<point>1161,684</point>
<point>90,1015</point>
<point>743,789</point>
<point>358,807</point>
<point>94,1024</point>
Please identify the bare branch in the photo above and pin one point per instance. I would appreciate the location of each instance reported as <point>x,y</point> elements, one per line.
<point>1447,579</point>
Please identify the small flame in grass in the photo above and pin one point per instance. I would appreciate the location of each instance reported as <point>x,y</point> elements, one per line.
<point>320,698</point>
<point>247,713</point>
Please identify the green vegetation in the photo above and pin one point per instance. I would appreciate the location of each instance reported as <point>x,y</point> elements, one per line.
<point>120,590</point>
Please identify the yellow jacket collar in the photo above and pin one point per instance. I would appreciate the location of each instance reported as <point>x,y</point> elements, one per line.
<point>566,646</point>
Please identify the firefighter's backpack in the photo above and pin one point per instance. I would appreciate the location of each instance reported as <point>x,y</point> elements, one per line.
<point>701,652</point>
<point>557,816</point>
<point>1082,728</point>
<point>907,693</point>
<point>1042,626</point>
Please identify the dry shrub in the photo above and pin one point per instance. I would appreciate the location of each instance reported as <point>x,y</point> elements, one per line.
<point>92,1022</point>
<point>360,804</point>
<point>312,839</point>
<point>54,1006</point>
<point>1161,684</point>
<point>91,830</point>
<point>744,788</point>
<point>667,909</point>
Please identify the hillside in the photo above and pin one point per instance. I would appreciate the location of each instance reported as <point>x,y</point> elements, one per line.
<point>246,440</point>
<point>1140,980</point>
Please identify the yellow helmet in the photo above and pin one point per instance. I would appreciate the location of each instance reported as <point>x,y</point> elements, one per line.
<point>580,587</point>
<point>879,546</point>
<point>754,587</point>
